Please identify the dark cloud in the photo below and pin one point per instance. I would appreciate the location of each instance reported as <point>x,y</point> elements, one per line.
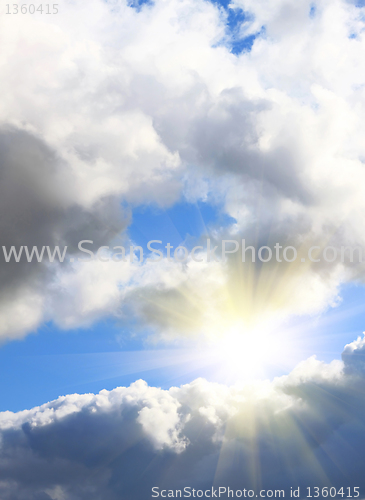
<point>39,207</point>
<point>305,429</point>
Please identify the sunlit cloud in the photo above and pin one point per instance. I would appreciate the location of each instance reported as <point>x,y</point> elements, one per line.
<point>303,427</point>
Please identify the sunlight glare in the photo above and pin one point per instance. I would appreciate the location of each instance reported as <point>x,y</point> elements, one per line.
<point>246,354</point>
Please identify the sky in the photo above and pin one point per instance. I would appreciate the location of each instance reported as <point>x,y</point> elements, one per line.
<point>182,122</point>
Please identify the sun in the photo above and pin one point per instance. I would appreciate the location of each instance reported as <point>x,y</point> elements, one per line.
<point>244,353</point>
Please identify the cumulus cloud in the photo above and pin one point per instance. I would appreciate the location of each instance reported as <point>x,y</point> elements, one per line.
<point>39,208</point>
<point>147,105</point>
<point>304,429</point>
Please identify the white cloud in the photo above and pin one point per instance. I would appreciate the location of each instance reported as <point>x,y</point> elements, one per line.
<point>142,106</point>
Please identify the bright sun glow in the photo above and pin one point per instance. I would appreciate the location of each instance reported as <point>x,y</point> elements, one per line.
<point>247,354</point>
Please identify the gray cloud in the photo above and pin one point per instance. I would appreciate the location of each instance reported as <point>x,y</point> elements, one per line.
<point>39,207</point>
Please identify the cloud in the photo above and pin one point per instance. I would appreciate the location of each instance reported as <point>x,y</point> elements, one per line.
<point>304,429</point>
<point>39,208</point>
<point>195,299</point>
<point>148,106</point>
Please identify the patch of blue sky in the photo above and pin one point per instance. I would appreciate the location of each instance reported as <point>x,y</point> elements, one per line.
<point>222,3</point>
<point>236,17</point>
<point>183,223</point>
<point>243,44</point>
<point>53,363</point>
<point>138,4</point>
<point>235,21</point>
<point>342,324</point>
